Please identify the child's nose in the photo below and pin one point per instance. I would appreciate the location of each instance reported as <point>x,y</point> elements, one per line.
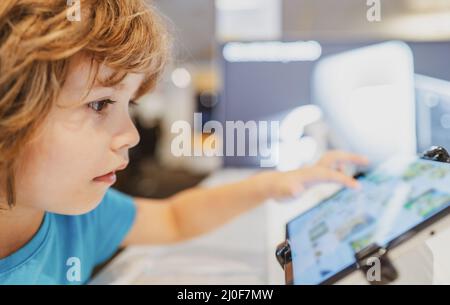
<point>127,137</point>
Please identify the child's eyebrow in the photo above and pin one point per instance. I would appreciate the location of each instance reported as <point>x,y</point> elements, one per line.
<point>119,86</point>
<point>97,85</point>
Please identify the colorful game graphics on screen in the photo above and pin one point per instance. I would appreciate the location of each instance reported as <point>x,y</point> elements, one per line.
<point>394,198</point>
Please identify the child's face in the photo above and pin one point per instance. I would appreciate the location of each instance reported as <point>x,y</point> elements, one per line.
<point>81,140</point>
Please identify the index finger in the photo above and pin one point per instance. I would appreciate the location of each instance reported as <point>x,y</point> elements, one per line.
<point>342,156</point>
<point>329,175</point>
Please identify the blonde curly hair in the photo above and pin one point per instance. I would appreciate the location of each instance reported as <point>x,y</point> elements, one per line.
<point>37,42</point>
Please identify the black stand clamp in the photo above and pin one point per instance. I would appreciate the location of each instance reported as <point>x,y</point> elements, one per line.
<point>374,263</point>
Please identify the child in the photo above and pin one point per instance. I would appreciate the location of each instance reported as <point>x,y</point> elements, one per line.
<point>65,130</point>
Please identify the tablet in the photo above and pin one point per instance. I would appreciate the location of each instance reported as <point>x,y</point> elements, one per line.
<point>395,199</point>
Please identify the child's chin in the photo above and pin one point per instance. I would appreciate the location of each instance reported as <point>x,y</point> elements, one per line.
<point>87,205</point>
<point>82,211</point>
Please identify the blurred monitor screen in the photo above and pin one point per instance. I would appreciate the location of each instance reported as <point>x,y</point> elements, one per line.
<point>433,112</point>
<point>368,101</point>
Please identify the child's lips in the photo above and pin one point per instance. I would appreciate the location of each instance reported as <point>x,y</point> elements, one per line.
<point>109,178</point>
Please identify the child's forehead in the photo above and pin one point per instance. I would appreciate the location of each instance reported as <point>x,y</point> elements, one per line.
<point>81,75</point>
<point>82,70</point>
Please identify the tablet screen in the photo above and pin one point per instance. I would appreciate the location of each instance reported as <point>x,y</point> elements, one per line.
<point>393,199</point>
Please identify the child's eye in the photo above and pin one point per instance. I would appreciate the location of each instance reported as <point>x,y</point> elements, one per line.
<point>100,106</point>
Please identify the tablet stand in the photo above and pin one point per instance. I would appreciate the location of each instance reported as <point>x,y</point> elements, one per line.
<point>367,257</point>
<point>374,254</point>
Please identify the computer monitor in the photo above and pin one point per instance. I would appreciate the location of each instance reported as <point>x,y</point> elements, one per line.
<point>367,96</point>
<point>433,112</point>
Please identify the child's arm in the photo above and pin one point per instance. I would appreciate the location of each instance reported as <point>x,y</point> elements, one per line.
<point>199,210</point>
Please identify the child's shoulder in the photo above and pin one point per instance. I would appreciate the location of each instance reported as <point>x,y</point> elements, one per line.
<point>64,242</point>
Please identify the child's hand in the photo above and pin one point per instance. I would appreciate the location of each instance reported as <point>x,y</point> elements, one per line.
<point>281,185</point>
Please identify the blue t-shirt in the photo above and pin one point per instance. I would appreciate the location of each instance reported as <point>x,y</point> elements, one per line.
<point>67,248</point>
